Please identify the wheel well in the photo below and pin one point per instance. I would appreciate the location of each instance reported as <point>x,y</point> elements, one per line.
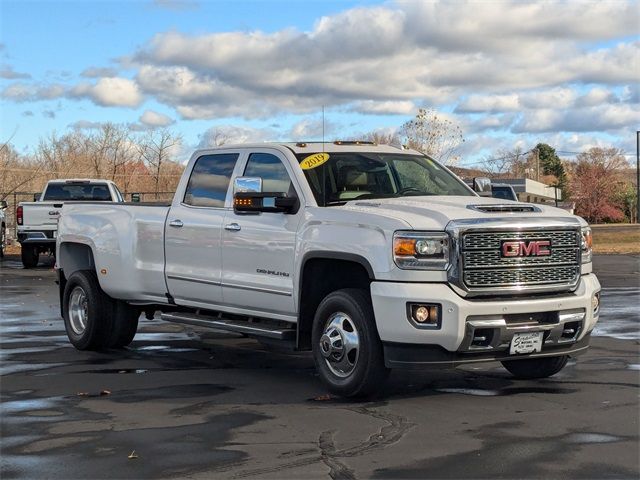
<point>320,277</point>
<point>74,257</point>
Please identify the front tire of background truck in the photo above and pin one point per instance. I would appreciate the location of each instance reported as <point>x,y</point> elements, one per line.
<point>346,347</point>
<point>125,324</point>
<point>536,367</point>
<point>88,312</point>
<point>30,256</point>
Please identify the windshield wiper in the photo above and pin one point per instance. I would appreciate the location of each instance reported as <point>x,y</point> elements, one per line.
<point>335,203</point>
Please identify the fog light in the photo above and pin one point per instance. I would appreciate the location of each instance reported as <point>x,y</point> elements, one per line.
<point>595,302</point>
<point>425,314</point>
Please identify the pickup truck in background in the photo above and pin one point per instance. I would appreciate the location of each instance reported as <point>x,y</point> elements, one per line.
<point>38,221</point>
<point>371,256</point>
<point>3,227</point>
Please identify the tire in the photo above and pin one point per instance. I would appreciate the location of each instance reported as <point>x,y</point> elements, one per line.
<point>536,367</point>
<point>348,371</point>
<point>83,299</point>
<point>125,324</point>
<point>30,256</point>
<point>3,239</point>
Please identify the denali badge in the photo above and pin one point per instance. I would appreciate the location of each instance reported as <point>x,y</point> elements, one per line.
<point>524,248</point>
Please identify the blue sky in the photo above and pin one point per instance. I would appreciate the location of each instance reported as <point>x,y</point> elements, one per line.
<point>509,73</point>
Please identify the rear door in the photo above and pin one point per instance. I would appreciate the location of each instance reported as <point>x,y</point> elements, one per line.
<point>258,249</point>
<point>193,231</point>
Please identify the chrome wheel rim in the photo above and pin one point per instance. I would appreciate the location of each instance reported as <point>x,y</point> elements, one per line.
<point>78,310</point>
<point>340,344</point>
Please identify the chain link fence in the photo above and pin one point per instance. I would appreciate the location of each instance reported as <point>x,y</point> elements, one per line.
<point>15,198</point>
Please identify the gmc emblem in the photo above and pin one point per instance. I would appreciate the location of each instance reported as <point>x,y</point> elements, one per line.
<point>523,248</point>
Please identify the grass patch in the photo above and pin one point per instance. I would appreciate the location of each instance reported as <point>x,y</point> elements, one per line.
<point>616,238</point>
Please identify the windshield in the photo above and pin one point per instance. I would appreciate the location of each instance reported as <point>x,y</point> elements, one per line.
<point>349,176</point>
<point>504,193</point>
<point>77,191</point>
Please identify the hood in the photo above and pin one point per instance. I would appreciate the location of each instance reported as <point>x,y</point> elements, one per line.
<point>435,212</point>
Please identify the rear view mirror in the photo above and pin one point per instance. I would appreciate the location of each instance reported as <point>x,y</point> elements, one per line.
<point>3,204</point>
<point>482,186</point>
<point>264,202</point>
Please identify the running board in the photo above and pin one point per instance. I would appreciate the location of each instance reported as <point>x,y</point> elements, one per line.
<point>239,326</point>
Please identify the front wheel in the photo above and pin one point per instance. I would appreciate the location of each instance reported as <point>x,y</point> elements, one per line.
<point>536,367</point>
<point>346,348</point>
<point>30,256</point>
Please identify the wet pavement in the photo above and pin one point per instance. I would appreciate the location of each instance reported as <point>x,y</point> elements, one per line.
<point>197,404</point>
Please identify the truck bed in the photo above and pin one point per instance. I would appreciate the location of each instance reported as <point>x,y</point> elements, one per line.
<point>130,239</point>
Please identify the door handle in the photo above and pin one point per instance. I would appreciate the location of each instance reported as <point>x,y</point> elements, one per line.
<point>232,227</point>
<point>176,223</point>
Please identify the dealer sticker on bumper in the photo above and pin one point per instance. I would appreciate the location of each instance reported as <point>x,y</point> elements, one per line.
<point>528,342</point>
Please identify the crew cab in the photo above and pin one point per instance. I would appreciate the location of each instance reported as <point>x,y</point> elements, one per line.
<point>371,256</point>
<point>38,221</point>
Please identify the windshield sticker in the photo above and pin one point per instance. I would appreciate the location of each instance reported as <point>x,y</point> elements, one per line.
<point>313,161</point>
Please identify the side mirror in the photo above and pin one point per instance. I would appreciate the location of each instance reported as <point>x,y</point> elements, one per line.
<point>36,197</point>
<point>247,184</point>
<point>255,202</point>
<point>3,204</point>
<point>482,186</point>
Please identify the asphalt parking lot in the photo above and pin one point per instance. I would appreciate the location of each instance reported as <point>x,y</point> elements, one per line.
<point>195,404</point>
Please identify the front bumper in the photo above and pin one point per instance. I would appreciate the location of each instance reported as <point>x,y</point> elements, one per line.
<point>566,320</point>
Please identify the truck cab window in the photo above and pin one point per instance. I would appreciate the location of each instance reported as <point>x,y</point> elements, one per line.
<point>275,177</point>
<point>209,180</point>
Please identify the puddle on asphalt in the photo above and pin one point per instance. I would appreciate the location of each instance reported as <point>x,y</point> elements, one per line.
<point>164,348</point>
<point>137,371</point>
<point>477,392</point>
<point>592,438</point>
<point>470,391</point>
<point>19,406</point>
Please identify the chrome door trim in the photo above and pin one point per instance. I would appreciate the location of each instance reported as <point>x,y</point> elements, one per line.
<point>194,280</point>
<point>257,289</point>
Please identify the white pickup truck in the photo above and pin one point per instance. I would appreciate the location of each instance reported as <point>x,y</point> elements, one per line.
<point>38,221</point>
<point>373,257</point>
<point>3,227</point>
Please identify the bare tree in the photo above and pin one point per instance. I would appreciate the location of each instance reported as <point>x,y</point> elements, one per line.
<point>382,137</point>
<point>157,148</point>
<point>433,134</point>
<point>506,163</point>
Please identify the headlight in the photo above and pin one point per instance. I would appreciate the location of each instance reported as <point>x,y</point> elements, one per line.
<point>421,250</point>
<point>586,244</point>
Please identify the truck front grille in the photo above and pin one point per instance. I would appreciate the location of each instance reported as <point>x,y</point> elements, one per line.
<point>485,265</point>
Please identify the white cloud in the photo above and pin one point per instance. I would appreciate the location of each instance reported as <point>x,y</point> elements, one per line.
<point>7,72</point>
<point>97,72</point>
<point>397,107</point>
<point>155,119</point>
<point>232,134</point>
<point>110,92</point>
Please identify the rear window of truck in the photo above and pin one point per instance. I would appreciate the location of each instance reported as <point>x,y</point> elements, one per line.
<point>77,191</point>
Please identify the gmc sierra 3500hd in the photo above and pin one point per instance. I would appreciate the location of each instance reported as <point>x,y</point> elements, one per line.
<point>372,256</point>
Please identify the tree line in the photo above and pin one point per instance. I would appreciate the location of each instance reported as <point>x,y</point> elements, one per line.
<point>135,161</point>
<point>599,181</point>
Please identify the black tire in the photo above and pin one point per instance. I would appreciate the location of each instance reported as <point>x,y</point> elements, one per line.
<point>125,324</point>
<point>30,256</point>
<point>3,239</point>
<point>368,372</point>
<point>98,309</point>
<point>536,367</point>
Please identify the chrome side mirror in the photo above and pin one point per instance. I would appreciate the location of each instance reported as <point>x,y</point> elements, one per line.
<point>247,185</point>
<point>482,186</point>
<point>3,204</point>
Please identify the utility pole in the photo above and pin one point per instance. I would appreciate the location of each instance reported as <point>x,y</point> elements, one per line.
<point>537,157</point>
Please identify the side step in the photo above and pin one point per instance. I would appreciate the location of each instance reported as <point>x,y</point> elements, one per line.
<point>257,329</point>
